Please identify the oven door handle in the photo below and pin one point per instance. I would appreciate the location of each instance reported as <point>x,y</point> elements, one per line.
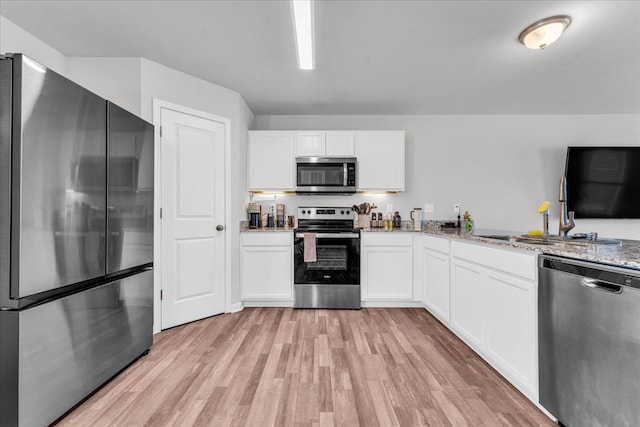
<point>332,235</point>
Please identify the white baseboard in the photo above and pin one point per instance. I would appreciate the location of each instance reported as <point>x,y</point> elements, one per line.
<point>268,303</point>
<point>238,306</point>
<point>392,304</point>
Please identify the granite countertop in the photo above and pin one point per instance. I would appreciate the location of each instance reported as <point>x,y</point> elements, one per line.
<point>393,230</point>
<point>625,255</point>
<point>246,229</point>
<point>407,227</point>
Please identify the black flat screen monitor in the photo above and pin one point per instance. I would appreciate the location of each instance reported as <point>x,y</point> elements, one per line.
<point>603,182</point>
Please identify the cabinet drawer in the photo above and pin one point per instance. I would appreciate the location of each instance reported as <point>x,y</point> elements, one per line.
<point>386,239</point>
<point>265,238</point>
<point>516,263</point>
<point>436,244</point>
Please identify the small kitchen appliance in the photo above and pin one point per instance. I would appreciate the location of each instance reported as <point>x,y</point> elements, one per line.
<point>254,215</point>
<point>326,175</point>
<point>333,279</point>
<point>280,221</point>
<point>416,216</point>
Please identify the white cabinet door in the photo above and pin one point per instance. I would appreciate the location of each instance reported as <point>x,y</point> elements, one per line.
<point>340,143</point>
<point>311,143</point>
<point>468,305</point>
<point>511,329</point>
<point>270,160</point>
<point>329,144</point>
<point>380,160</point>
<point>436,283</point>
<point>386,267</point>
<point>267,266</point>
<point>494,309</point>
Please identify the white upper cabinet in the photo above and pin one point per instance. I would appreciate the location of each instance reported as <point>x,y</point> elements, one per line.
<point>271,157</point>
<point>325,144</point>
<point>340,143</point>
<point>311,144</point>
<point>270,160</point>
<point>380,160</point>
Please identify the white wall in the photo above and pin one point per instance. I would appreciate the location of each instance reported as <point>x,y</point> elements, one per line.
<point>499,168</point>
<point>14,39</point>
<point>239,194</point>
<point>117,79</point>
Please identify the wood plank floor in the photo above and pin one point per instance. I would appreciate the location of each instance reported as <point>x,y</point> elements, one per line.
<point>285,367</point>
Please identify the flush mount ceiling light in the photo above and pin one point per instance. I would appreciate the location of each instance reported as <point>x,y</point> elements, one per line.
<point>302,11</point>
<point>544,32</point>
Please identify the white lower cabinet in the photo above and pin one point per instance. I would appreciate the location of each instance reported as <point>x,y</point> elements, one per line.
<point>494,309</point>
<point>468,305</point>
<point>266,266</point>
<point>386,266</point>
<point>511,328</point>
<point>434,260</point>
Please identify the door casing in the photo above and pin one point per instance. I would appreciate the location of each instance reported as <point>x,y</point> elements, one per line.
<point>158,105</point>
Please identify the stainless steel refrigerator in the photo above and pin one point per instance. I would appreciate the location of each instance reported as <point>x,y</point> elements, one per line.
<point>76,241</point>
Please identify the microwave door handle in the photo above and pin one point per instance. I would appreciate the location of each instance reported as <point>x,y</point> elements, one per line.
<point>344,169</point>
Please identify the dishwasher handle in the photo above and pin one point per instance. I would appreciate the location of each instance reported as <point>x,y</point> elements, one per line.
<point>612,276</point>
<point>600,285</point>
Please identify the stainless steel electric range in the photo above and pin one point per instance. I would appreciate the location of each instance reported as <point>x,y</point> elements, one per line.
<point>330,276</point>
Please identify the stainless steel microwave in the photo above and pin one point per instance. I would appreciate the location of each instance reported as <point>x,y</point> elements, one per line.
<point>326,175</point>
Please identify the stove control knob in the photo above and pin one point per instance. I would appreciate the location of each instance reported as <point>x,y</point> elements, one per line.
<point>342,212</point>
<point>303,212</point>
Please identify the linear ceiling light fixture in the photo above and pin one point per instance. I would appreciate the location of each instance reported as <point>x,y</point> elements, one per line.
<point>544,32</point>
<point>302,11</point>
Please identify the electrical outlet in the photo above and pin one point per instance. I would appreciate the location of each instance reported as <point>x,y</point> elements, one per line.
<point>429,208</point>
<point>456,208</point>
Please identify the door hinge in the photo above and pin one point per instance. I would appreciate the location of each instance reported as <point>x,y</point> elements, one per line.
<point>161,294</point>
<point>160,131</point>
<point>160,213</point>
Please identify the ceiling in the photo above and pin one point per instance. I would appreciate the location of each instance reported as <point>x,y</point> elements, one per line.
<point>372,57</point>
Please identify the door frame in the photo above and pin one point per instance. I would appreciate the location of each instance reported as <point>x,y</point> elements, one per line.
<point>158,105</point>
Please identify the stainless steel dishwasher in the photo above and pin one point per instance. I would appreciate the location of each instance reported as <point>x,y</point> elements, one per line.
<point>589,342</point>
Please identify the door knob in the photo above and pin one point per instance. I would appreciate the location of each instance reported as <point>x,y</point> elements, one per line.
<point>220,227</point>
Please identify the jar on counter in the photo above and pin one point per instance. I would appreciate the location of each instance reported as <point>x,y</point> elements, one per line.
<point>397,221</point>
<point>388,222</point>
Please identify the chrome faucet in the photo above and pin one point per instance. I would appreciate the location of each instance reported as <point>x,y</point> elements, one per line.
<point>566,218</point>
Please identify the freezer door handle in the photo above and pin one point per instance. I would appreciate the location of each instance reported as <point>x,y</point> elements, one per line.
<point>600,285</point>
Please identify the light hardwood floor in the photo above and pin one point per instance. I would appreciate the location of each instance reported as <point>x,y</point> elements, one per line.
<point>279,366</point>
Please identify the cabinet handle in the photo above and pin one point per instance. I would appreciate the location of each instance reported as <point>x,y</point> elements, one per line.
<point>220,227</point>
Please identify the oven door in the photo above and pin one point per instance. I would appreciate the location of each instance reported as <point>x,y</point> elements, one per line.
<point>338,260</point>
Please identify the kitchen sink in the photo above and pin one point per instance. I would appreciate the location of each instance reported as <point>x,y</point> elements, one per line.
<point>504,237</point>
<point>535,241</point>
<point>547,241</point>
<point>520,239</point>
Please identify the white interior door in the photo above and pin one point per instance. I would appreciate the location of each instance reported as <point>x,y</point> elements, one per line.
<point>193,206</point>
